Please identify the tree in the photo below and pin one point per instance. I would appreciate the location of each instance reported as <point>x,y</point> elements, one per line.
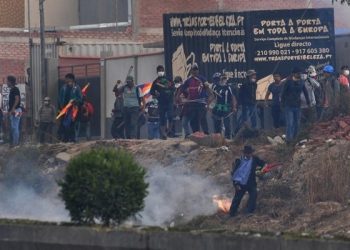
<point>104,185</point>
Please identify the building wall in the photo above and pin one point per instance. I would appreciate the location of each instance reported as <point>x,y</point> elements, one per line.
<point>58,13</point>
<point>147,26</point>
<point>11,13</point>
<point>149,12</point>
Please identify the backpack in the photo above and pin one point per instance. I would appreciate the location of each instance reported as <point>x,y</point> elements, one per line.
<point>85,112</point>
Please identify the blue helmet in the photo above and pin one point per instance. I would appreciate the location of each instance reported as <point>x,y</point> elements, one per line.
<point>328,69</point>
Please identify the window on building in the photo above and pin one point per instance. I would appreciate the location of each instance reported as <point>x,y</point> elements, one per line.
<point>104,11</point>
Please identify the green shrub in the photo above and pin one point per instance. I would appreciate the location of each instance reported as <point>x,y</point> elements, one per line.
<point>104,185</point>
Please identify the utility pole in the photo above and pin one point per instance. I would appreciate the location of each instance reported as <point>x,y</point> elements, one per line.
<point>43,48</point>
<point>30,73</point>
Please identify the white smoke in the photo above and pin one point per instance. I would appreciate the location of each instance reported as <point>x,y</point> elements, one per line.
<point>27,190</point>
<point>176,193</point>
<point>23,202</point>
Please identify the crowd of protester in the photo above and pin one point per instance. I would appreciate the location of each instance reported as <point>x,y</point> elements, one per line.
<point>181,107</point>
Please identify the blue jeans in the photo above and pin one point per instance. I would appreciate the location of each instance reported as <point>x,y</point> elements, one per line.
<point>14,120</point>
<point>153,130</point>
<point>248,112</point>
<point>276,113</point>
<point>166,111</point>
<point>292,122</point>
<point>195,114</point>
<point>218,125</point>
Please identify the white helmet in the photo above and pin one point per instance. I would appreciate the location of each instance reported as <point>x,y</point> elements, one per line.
<point>311,71</point>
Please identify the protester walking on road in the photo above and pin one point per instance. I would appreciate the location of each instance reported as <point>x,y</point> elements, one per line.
<point>244,180</point>
<point>163,90</point>
<point>291,101</point>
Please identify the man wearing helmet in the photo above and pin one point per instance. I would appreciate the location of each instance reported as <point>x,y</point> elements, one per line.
<point>329,94</point>
<point>308,114</point>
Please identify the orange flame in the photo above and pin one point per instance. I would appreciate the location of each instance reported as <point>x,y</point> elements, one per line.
<point>223,204</point>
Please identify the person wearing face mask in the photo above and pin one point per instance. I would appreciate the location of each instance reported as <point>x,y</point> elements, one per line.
<point>344,106</point>
<point>226,105</point>
<point>308,114</point>
<point>46,115</point>
<point>131,107</point>
<point>247,98</point>
<point>163,90</point>
<point>344,77</point>
<point>291,101</point>
<point>243,176</point>
<point>275,89</point>
<point>330,94</point>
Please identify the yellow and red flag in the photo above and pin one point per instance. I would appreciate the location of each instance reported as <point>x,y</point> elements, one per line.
<point>75,112</point>
<point>84,90</point>
<point>65,109</point>
<point>144,88</point>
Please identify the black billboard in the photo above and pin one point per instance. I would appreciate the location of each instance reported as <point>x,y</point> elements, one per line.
<point>233,42</point>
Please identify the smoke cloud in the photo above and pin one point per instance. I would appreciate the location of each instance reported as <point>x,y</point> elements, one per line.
<point>23,202</point>
<point>177,195</point>
<point>27,192</point>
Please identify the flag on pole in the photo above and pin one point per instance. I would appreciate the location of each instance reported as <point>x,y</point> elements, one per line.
<point>84,90</point>
<point>144,91</point>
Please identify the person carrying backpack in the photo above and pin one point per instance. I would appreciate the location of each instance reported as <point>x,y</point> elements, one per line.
<point>196,89</point>
<point>225,106</point>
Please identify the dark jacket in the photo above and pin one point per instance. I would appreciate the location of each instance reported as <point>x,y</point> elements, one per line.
<point>69,93</point>
<point>247,93</point>
<point>257,164</point>
<point>328,94</point>
<point>165,88</point>
<point>291,92</point>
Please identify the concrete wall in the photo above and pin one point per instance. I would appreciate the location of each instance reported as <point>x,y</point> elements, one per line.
<point>342,45</point>
<point>16,237</point>
<point>117,68</point>
<point>62,13</point>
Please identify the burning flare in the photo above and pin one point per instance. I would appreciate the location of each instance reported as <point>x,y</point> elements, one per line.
<point>223,203</point>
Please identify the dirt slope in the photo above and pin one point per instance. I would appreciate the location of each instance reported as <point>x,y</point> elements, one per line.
<point>310,193</point>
